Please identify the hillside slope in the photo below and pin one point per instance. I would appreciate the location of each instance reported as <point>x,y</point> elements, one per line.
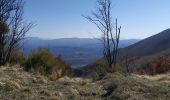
<point>151,45</point>
<point>15,84</point>
<point>143,51</point>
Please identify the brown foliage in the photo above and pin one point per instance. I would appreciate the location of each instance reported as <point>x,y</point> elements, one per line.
<point>60,69</point>
<point>160,65</point>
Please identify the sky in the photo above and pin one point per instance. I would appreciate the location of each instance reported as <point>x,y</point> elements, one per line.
<point>63,18</point>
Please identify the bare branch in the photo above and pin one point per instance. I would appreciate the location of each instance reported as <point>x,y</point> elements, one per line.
<point>103,20</point>
<point>11,12</point>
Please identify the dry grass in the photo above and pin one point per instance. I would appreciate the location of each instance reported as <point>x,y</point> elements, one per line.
<point>160,78</point>
<point>15,84</point>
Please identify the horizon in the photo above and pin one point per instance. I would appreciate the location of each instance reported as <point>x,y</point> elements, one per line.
<point>92,37</point>
<point>81,38</point>
<point>63,19</point>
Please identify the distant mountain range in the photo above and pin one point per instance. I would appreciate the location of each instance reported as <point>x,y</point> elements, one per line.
<point>76,51</point>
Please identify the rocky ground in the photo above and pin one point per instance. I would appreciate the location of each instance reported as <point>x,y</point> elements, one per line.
<point>15,84</point>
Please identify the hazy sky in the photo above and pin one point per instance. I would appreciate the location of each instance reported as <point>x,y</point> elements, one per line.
<point>63,18</point>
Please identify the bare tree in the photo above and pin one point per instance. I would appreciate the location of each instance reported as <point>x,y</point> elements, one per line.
<point>12,27</point>
<point>103,20</point>
<point>127,61</point>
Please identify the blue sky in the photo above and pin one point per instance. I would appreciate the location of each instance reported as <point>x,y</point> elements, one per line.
<point>63,18</point>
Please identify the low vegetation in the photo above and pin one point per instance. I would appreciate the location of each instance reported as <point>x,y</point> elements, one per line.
<point>60,69</point>
<point>43,62</point>
<point>18,58</point>
<point>16,84</point>
<point>102,67</point>
<point>158,66</point>
<point>40,61</point>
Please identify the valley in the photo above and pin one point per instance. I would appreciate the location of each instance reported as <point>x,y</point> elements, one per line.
<point>76,51</point>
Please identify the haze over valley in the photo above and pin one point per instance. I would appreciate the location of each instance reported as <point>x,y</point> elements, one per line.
<point>76,51</point>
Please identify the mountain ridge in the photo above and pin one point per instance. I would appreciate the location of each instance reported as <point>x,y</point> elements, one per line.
<point>150,45</point>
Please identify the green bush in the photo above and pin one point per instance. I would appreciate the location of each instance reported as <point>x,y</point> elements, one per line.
<point>18,58</point>
<point>43,62</point>
<point>102,67</point>
<point>40,61</point>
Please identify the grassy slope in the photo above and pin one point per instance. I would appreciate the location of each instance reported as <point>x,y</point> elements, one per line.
<point>15,84</point>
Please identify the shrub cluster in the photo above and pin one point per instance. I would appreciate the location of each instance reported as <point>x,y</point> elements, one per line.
<point>160,65</point>
<point>61,68</point>
<point>102,67</point>
<point>40,61</point>
<point>44,62</point>
<point>18,58</point>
